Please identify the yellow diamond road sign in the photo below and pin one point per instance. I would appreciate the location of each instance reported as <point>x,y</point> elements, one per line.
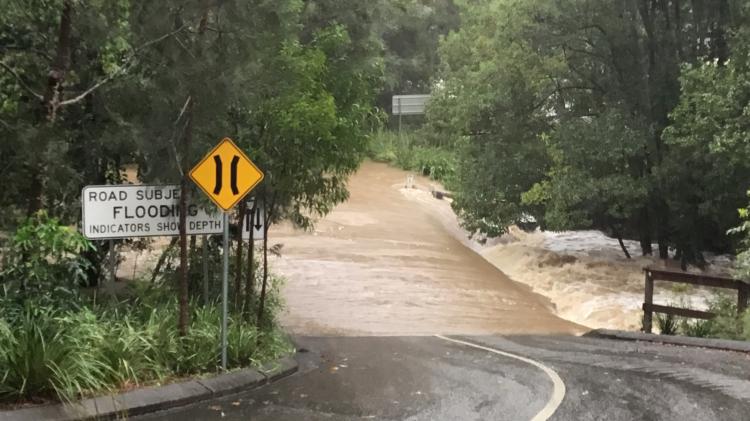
<point>226,174</point>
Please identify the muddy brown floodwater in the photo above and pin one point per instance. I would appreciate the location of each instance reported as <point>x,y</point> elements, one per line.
<point>383,264</point>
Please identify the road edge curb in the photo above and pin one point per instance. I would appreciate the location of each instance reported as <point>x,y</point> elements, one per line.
<point>158,398</point>
<point>719,344</point>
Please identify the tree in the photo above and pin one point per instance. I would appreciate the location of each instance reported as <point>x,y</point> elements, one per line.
<point>708,167</point>
<point>411,33</point>
<point>490,105</point>
<point>194,83</point>
<point>59,59</point>
<point>60,62</point>
<point>601,80</point>
<point>307,129</point>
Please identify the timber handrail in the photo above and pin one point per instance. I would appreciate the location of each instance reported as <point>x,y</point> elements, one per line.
<point>656,274</point>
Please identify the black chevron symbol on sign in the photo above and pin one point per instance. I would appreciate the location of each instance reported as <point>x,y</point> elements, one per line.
<point>232,175</point>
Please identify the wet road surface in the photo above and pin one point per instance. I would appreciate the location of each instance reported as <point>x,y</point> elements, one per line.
<point>428,378</point>
<point>382,264</point>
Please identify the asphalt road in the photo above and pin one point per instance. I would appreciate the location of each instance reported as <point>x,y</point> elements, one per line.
<point>432,378</point>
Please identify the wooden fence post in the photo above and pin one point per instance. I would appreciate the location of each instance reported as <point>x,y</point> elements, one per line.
<point>648,300</point>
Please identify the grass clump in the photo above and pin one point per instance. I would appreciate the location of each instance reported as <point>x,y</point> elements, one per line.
<point>70,353</point>
<point>409,152</point>
<point>666,323</point>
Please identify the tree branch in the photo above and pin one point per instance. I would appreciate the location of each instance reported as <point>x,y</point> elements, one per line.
<point>174,134</point>
<point>20,81</point>
<point>36,51</point>
<point>6,124</point>
<point>122,69</point>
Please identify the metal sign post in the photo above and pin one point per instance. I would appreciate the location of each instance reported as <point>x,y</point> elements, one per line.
<point>204,245</point>
<point>225,293</point>
<point>400,114</point>
<point>226,175</point>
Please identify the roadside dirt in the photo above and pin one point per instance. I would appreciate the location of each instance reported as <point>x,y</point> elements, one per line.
<point>384,264</point>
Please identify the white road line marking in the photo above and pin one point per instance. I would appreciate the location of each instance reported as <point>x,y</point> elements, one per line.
<point>558,391</point>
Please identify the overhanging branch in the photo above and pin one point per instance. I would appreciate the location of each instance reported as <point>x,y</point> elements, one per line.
<point>20,81</point>
<point>122,69</point>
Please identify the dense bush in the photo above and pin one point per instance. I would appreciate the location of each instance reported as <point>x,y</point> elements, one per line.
<point>44,259</point>
<point>407,151</point>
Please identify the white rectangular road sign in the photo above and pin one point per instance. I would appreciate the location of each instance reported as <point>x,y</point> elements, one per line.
<point>409,104</point>
<point>255,217</point>
<point>126,211</point>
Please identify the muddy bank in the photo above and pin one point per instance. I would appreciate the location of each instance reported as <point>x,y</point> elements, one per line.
<point>384,264</point>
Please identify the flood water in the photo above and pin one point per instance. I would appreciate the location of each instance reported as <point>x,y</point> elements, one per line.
<point>384,263</point>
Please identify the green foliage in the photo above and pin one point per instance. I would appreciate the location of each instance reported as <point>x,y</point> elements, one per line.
<point>43,259</point>
<point>727,324</point>
<point>436,163</point>
<point>52,352</point>
<point>590,182</point>
<point>742,263</point>
<point>601,115</point>
<point>486,108</point>
<point>666,323</point>
<point>383,146</point>
<point>45,156</point>
<point>696,328</point>
<point>709,160</point>
<point>409,151</point>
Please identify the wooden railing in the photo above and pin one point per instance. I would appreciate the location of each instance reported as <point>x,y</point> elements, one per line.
<point>652,274</point>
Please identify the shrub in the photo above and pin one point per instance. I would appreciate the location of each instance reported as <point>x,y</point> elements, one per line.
<point>43,259</point>
<point>407,152</point>
<point>69,353</point>
<point>697,328</point>
<point>383,146</point>
<point>435,163</point>
<point>727,324</point>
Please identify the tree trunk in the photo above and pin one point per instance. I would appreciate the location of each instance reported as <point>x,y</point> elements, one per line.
<point>238,271</point>
<point>262,302</point>
<point>184,311</point>
<point>183,277</point>
<point>48,105</point>
<point>35,193</point>
<point>162,259</point>
<point>644,223</point>
<point>250,278</point>
<point>662,229</point>
<point>61,64</point>
<point>622,244</point>
<point>193,245</point>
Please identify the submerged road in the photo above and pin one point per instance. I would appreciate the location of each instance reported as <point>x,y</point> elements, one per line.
<point>385,264</point>
<point>430,378</point>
